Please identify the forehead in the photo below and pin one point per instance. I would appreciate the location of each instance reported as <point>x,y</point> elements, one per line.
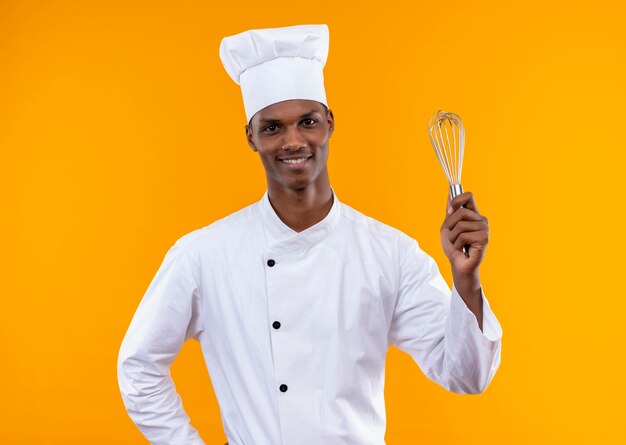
<point>288,110</point>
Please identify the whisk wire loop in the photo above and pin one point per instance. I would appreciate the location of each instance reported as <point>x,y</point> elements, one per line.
<point>447,136</point>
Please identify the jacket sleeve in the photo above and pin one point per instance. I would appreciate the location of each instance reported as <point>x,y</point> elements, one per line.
<point>438,330</point>
<point>168,315</point>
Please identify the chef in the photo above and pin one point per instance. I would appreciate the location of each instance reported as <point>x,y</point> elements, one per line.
<point>296,298</point>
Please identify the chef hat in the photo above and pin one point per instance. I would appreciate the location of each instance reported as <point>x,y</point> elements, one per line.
<point>276,64</point>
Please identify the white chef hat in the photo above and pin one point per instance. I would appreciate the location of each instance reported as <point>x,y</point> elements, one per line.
<point>276,64</point>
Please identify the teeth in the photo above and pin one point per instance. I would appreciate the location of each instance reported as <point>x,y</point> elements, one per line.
<point>294,161</point>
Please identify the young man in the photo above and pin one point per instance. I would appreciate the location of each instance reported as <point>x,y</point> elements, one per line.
<point>296,298</point>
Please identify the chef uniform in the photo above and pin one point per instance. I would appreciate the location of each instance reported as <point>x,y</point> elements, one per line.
<point>295,326</point>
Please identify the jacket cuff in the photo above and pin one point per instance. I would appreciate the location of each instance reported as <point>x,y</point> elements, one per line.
<point>492,331</point>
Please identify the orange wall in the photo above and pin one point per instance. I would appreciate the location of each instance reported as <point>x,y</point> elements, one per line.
<point>120,132</point>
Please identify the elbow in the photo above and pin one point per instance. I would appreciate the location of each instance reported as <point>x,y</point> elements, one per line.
<point>473,373</point>
<point>467,386</point>
<point>140,377</point>
<point>476,388</point>
<point>125,365</point>
<point>134,384</point>
<point>131,377</point>
<point>124,373</point>
<point>124,369</point>
<point>471,379</point>
<point>479,388</point>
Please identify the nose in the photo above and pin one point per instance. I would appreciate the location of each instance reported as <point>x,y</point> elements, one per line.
<point>293,140</point>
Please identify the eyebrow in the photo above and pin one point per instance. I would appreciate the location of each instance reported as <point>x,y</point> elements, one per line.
<point>276,121</point>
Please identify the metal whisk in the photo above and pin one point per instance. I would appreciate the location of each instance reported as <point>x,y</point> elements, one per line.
<point>447,135</point>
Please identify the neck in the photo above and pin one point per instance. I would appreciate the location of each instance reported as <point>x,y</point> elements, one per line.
<point>303,208</point>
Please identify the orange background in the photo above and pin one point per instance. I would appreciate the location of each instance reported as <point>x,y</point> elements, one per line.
<point>120,132</point>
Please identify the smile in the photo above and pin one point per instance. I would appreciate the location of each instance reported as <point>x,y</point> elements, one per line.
<point>296,162</point>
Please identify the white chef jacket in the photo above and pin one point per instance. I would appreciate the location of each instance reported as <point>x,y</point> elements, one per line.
<point>294,328</point>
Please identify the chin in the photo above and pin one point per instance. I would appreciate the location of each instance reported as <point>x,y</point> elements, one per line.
<point>297,183</point>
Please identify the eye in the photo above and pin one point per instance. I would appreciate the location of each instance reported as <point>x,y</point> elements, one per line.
<point>270,128</point>
<point>308,122</point>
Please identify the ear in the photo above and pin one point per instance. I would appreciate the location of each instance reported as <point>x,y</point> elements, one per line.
<point>249,138</point>
<point>330,119</point>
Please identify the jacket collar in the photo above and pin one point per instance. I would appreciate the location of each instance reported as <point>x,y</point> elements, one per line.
<point>280,234</point>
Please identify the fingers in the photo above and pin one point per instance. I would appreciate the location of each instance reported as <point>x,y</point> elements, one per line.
<point>463,200</point>
<point>467,226</point>
<point>462,207</point>
<point>463,226</point>
<point>478,239</point>
<point>461,214</point>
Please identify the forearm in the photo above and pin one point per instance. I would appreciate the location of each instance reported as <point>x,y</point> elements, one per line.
<point>472,355</point>
<point>469,288</point>
<point>152,402</point>
<point>463,359</point>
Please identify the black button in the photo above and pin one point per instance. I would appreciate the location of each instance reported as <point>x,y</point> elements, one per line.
<point>276,325</point>
<point>283,387</point>
<point>271,263</point>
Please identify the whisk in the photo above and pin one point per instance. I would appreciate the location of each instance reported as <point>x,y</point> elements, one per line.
<point>447,135</point>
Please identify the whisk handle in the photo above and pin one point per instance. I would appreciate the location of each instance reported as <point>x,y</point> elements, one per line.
<point>456,190</point>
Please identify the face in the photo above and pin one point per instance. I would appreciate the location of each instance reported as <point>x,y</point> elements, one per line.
<point>291,138</point>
